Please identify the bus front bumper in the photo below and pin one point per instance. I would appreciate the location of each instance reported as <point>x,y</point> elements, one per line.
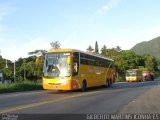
<point>131,79</point>
<point>69,85</point>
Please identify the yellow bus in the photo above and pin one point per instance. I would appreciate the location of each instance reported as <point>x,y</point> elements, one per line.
<point>70,69</point>
<point>134,75</point>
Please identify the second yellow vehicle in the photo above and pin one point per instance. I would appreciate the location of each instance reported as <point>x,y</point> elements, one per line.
<point>134,75</point>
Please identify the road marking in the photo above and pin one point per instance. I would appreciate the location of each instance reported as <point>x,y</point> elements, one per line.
<point>44,102</point>
<point>15,94</point>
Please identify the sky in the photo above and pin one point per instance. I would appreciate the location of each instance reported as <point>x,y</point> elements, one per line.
<point>28,25</point>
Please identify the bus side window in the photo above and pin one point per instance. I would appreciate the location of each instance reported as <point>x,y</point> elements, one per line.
<point>75,63</point>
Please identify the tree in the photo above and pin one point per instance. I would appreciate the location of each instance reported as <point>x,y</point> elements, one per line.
<point>7,71</point>
<point>151,63</point>
<point>111,52</point>
<point>55,45</point>
<point>90,49</point>
<point>104,51</point>
<point>108,52</point>
<point>118,48</point>
<point>36,52</point>
<point>96,48</point>
<point>125,60</point>
<point>29,69</point>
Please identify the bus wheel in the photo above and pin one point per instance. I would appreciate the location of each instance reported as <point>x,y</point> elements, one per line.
<point>84,86</point>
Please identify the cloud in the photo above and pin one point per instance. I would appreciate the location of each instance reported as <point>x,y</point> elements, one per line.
<point>124,42</point>
<point>15,51</point>
<point>104,9</point>
<point>126,38</point>
<point>12,49</point>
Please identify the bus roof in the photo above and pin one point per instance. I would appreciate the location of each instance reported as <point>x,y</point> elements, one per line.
<point>75,50</point>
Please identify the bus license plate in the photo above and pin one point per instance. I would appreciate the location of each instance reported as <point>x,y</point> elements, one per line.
<point>54,86</point>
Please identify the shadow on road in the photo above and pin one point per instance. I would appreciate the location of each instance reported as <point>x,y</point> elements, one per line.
<point>117,85</point>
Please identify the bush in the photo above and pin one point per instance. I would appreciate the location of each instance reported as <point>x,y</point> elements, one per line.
<point>157,74</point>
<point>121,78</point>
<point>21,86</point>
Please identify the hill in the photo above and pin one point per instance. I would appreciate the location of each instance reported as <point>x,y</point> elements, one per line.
<point>151,47</point>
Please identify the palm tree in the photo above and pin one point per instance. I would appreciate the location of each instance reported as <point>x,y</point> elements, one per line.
<point>55,45</point>
<point>90,49</point>
<point>104,51</point>
<point>118,48</point>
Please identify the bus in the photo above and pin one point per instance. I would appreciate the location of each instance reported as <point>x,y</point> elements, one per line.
<point>71,69</point>
<point>134,75</point>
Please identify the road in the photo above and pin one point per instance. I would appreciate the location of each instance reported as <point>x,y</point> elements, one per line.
<point>120,98</point>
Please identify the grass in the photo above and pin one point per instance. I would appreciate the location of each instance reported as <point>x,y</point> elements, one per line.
<point>121,78</point>
<point>20,86</point>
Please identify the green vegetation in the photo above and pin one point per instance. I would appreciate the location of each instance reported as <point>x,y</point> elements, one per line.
<point>151,47</point>
<point>20,86</point>
<point>27,69</point>
<point>27,76</point>
<point>128,59</point>
<point>96,48</point>
<point>90,49</point>
<point>55,45</point>
<point>120,78</point>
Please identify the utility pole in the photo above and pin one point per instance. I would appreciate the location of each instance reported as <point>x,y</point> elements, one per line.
<point>24,71</point>
<point>14,71</point>
<point>6,64</point>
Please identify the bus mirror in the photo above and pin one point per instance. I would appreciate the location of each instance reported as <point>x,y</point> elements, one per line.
<point>69,59</point>
<point>37,61</point>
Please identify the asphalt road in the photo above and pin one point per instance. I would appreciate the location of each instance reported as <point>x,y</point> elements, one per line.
<point>120,98</point>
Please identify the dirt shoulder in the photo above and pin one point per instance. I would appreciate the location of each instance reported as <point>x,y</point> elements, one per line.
<point>149,102</point>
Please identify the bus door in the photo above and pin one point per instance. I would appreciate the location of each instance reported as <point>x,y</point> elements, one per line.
<point>75,68</point>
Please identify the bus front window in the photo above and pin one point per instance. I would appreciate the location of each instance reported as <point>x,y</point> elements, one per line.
<point>56,65</point>
<point>131,74</point>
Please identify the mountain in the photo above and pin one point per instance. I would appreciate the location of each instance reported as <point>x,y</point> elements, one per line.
<point>151,47</point>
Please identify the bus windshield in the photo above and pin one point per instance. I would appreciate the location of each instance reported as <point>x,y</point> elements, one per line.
<point>130,73</point>
<point>56,65</point>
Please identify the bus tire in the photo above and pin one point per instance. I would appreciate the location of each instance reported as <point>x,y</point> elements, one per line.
<point>84,86</point>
